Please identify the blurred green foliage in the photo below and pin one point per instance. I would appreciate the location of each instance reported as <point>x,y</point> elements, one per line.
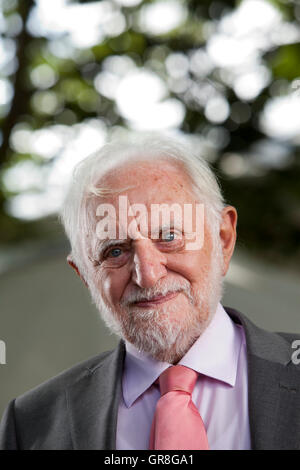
<point>54,83</point>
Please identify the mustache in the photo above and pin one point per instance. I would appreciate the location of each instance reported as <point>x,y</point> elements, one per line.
<point>157,291</point>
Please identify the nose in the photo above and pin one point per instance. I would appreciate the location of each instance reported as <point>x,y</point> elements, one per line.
<point>148,264</point>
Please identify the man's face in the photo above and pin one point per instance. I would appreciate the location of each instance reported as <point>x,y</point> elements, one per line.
<point>155,292</point>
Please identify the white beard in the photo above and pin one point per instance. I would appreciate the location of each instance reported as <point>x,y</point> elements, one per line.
<point>165,333</point>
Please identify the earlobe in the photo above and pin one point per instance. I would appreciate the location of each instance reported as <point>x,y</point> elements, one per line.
<point>74,266</point>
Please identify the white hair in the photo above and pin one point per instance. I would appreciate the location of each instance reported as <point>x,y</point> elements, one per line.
<point>75,214</point>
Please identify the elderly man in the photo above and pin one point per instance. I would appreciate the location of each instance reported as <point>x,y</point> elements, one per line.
<point>152,239</point>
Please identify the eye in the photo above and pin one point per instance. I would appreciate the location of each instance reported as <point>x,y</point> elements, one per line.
<point>115,252</point>
<point>168,237</point>
<point>171,236</point>
<point>115,255</point>
<point>171,240</point>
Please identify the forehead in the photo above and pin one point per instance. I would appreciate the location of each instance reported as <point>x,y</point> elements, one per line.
<point>147,182</point>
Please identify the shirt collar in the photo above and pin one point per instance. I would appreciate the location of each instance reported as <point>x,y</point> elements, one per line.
<point>214,354</point>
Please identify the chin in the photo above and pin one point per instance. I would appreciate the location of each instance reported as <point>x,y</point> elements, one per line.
<point>166,335</point>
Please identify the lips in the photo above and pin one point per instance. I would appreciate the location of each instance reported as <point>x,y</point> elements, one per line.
<point>156,300</point>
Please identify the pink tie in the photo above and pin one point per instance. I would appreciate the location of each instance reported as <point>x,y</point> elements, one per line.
<point>177,424</point>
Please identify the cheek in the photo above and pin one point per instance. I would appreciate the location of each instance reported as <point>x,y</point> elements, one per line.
<point>112,284</point>
<point>192,265</point>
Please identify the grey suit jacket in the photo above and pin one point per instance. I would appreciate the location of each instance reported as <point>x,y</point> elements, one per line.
<point>78,409</point>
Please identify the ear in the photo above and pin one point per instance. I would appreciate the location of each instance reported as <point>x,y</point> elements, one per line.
<point>74,266</point>
<point>228,235</point>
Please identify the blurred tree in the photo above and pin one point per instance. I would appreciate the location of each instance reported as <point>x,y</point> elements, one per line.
<point>72,73</point>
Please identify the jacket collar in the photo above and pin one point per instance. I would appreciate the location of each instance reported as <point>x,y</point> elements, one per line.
<point>262,343</point>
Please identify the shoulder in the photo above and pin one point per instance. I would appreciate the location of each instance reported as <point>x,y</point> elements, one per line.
<point>40,418</point>
<point>268,345</point>
<point>290,337</point>
<point>53,389</point>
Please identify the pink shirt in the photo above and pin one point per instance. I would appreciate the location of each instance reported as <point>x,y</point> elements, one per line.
<point>220,394</point>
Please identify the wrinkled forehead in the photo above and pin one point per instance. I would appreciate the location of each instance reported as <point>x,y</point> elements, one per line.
<point>145,182</point>
<point>157,195</point>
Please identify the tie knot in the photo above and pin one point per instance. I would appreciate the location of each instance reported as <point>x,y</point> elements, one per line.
<point>178,378</point>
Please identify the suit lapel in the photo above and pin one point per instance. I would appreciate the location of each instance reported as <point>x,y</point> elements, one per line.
<point>273,388</point>
<point>93,403</point>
